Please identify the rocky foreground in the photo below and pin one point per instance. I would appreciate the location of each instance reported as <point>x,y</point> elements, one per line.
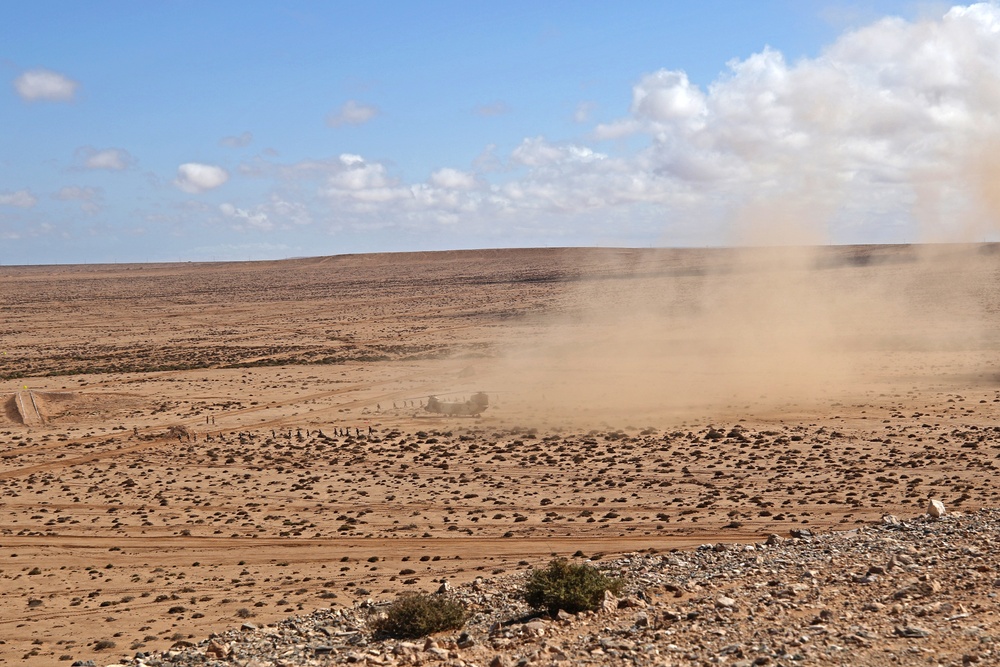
<point>917,591</point>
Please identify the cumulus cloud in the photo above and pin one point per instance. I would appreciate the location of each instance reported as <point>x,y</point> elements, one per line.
<point>352,113</point>
<point>240,140</point>
<point>885,111</point>
<point>18,199</point>
<point>112,159</point>
<point>537,152</point>
<point>45,85</point>
<point>88,198</point>
<point>194,177</point>
<point>453,179</point>
<point>362,181</point>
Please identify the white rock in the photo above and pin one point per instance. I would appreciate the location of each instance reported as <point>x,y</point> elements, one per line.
<point>935,508</point>
<point>725,602</point>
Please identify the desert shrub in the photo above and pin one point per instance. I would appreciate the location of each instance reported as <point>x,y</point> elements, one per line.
<point>104,644</point>
<point>413,616</point>
<point>570,587</point>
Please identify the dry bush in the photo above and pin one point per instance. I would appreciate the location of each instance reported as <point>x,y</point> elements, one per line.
<point>419,615</point>
<point>572,588</point>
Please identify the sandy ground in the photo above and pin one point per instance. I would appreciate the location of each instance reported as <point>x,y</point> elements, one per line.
<point>183,447</point>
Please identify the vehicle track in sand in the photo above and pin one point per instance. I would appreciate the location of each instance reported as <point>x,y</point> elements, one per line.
<point>28,409</point>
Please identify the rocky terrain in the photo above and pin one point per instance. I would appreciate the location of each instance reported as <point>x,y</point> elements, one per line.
<point>918,591</point>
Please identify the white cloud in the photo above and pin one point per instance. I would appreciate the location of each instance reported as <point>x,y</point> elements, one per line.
<point>537,152</point>
<point>277,213</point>
<point>453,179</point>
<point>254,219</point>
<point>18,199</point>
<point>352,113</point>
<point>44,84</point>
<point>195,177</point>
<point>89,198</point>
<point>240,140</point>
<point>357,175</point>
<point>884,111</point>
<point>112,159</point>
<point>667,96</point>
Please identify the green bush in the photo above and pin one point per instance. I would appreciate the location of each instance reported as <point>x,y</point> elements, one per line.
<point>572,588</point>
<point>413,616</point>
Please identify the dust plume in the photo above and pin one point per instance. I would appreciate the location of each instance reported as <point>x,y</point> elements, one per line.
<point>645,336</point>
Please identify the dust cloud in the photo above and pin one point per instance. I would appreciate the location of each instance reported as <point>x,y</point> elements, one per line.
<point>667,335</point>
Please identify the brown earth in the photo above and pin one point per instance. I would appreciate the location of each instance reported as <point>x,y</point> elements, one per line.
<point>184,446</point>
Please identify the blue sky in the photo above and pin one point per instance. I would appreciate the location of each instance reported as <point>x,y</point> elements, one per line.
<point>160,131</point>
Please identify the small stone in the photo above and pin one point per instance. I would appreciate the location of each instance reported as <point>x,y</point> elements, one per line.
<point>732,649</point>
<point>216,650</point>
<point>911,632</point>
<point>610,602</point>
<point>465,641</point>
<point>935,508</point>
<point>565,616</point>
<point>536,628</point>
<point>557,651</point>
<point>499,661</point>
<point>631,602</point>
<point>405,648</point>
<point>725,602</point>
<point>642,620</point>
<point>444,587</point>
<point>248,626</point>
<point>917,589</point>
<point>773,540</point>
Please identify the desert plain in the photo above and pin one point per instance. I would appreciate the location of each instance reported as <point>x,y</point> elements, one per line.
<point>186,447</point>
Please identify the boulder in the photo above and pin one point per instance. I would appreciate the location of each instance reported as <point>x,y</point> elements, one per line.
<point>935,508</point>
